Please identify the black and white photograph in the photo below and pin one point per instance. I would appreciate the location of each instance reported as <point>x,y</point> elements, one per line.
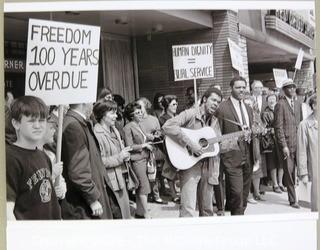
<point>143,115</point>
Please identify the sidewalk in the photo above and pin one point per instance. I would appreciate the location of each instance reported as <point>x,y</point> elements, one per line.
<point>275,203</point>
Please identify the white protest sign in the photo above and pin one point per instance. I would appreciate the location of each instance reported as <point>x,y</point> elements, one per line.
<point>236,57</point>
<point>299,59</point>
<point>192,61</point>
<point>279,76</point>
<point>62,62</point>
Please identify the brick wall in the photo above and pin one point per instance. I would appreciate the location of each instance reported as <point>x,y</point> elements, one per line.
<point>155,58</point>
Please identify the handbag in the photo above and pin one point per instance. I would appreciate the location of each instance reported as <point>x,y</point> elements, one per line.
<point>267,143</point>
<point>132,180</point>
<point>151,167</point>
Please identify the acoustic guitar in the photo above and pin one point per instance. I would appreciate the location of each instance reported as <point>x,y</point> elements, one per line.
<point>182,158</point>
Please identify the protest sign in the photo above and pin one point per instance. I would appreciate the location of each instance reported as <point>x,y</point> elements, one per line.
<point>192,61</point>
<point>299,59</point>
<point>236,57</point>
<point>279,76</point>
<point>62,62</point>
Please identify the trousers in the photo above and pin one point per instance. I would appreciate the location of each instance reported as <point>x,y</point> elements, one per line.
<point>195,188</point>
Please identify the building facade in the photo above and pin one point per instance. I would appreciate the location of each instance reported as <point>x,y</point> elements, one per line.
<point>136,47</point>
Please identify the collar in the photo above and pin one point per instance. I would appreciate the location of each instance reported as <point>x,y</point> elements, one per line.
<point>312,121</point>
<point>201,112</point>
<point>79,113</point>
<point>289,100</point>
<point>235,101</point>
<point>258,97</point>
<point>100,129</point>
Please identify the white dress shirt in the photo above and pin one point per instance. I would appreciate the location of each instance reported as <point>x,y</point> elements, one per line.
<point>236,106</point>
<point>258,99</point>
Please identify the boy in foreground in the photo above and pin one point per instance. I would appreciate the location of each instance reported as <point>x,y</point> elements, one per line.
<point>30,192</point>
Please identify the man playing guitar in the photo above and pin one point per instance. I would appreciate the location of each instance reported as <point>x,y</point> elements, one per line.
<point>204,174</point>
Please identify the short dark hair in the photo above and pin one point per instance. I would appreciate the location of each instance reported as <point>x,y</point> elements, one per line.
<point>119,100</point>
<point>28,106</point>
<point>129,109</point>
<point>191,88</point>
<point>156,105</point>
<point>167,99</point>
<point>104,92</point>
<point>237,78</point>
<point>100,108</point>
<point>312,100</point>
<point>209,91</point>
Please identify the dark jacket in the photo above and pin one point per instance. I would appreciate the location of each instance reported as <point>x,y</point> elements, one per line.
<point>286,123</point>
<point>83,168</point>
<point>225,112</point>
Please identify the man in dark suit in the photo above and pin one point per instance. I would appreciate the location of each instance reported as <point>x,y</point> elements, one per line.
<point>286,121</point>
<point>234,115</point>
<point>83,168</point>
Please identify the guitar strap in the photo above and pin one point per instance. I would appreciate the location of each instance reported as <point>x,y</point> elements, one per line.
<point>233,122</point>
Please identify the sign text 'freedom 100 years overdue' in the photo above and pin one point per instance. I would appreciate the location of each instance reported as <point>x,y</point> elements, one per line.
<point>62,62</point>
<point>192,61</point>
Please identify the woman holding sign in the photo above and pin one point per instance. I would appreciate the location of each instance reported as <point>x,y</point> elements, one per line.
<point>113,153</point>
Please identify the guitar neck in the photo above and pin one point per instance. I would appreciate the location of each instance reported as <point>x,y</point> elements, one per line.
<point>225,137</point>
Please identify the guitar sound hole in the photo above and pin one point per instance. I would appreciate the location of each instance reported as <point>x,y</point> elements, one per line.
<point>203,143</point>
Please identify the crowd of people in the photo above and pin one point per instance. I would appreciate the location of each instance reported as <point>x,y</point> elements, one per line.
<point>113,156</point>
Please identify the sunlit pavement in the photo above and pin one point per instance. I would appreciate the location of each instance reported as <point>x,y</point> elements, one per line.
<point>275,203</point>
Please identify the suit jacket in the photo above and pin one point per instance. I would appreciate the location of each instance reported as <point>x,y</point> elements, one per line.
<point>83,168</point>
<point>133,136</point>
<point>234,158</point>
<point>286,123</point>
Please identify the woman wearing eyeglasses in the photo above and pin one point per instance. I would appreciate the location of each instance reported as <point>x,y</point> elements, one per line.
<point>138,141</point>
<point>170,105</point>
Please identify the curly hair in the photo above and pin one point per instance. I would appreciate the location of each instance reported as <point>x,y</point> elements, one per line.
<point>129,109</point>
<point>167,99</point>
<point>101,108</point>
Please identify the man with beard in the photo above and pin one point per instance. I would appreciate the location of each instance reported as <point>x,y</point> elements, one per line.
<point>286,121</point>
<point>203,175</point>
<point>234,115</point>
<point>83,171</point>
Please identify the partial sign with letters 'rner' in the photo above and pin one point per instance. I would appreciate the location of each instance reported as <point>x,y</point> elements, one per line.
<point>62,62</point>
<point>192,61</point>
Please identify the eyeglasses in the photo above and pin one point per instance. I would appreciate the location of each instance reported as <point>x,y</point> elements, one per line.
<point>137,112</point>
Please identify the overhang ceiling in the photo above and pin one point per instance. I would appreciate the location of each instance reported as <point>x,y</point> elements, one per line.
<point>140,23</point>
<point>131,23</point>
<point>264,53</point>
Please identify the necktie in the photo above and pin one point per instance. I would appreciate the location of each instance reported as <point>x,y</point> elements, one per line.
<point>292,104</point>
<point>244,122</point>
